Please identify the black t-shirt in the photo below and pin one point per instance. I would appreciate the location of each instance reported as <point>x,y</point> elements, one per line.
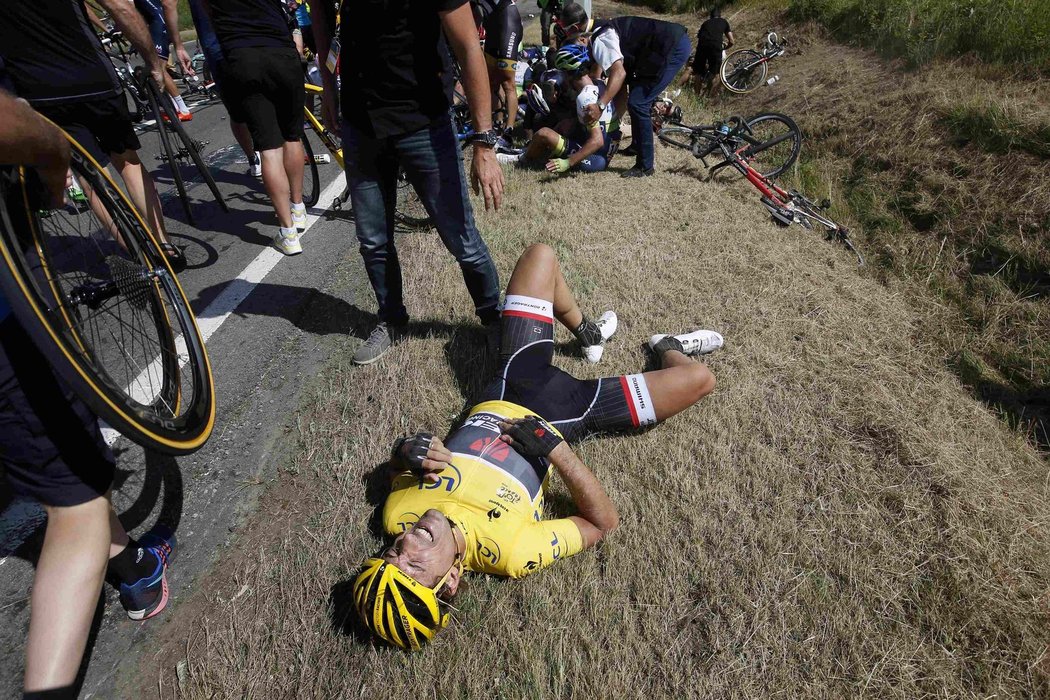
<point>394,64</point>
<point>51,54</point>
<point>712,31</point>
<point>243,23</point>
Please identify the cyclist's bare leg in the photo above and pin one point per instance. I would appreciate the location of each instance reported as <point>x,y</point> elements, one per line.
<point>275,180</point>
<point>294,165</point>
<point>538,275</point>
<point>244,138</point>
<point>679,384</point>
<point>508,81</point>
<point>142,190</point>
<point>66,591</point>
<point>542,143</point>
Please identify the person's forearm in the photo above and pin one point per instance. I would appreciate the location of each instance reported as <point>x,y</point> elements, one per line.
<point>616,77</point>
<point>129,21</point>
<point>462,35</point>
<point>25,138</point>
<point>171,20</point>
<point>586,491</point>
<point>593,145</point>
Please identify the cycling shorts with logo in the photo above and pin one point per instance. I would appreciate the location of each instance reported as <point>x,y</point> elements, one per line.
<point>503,33</point>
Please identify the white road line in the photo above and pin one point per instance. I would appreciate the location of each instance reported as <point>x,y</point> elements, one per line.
<point>236,291</point>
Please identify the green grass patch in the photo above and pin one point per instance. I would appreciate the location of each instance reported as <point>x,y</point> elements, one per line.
<point>996,129</point>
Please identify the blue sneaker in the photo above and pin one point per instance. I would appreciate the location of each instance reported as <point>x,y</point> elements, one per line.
<point>148,596</point>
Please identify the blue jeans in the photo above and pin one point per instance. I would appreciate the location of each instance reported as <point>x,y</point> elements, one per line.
<point>433,163</point>
<point>641,98</point>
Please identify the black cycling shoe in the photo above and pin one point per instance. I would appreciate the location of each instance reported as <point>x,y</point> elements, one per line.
<point>631,150</point>
<point>638,172</point>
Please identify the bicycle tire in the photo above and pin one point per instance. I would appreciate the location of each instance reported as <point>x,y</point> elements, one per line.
<point>679,136</point>
<point>409,209</point>
<point>191,148</point>
<point>101,303</point>
<point>742,71</point>
<point>311,178</point>
<point>169,157</point>
<point>773,144</point>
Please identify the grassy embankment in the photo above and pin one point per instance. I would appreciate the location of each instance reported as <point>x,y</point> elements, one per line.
<point>839,519</point>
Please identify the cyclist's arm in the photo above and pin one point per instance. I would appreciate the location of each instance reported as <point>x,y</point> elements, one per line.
<point>27,139</point>
<point>598,516</point>
<point>129,21</point>
<point>94,19</point>
<point>323,40</point>
<point>729,36</point>
<point>171,21</point>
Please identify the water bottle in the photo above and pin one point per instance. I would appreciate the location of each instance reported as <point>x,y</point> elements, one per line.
<point>772,80</point>
<point>723,129</point>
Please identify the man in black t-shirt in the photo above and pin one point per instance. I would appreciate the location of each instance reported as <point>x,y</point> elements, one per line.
<point>709,48</point>
<point>396,95</point>
<point>54,60</point>
<point>264,79</point>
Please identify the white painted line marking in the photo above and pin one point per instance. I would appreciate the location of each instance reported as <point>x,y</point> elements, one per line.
<point>236,291</point>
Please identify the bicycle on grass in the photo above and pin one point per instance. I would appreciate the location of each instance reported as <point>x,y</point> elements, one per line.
<point>409,209</point>
<point>761,148</point>
<point>97,295</point>
<point>745,69</point>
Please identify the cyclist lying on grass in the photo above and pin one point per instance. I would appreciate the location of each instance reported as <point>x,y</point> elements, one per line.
<point>475,502</point>
<point>582,144</point>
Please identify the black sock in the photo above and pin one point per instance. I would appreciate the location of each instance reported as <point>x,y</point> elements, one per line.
<point>133,563</point>
<point>587,333</point>
<point>68,692</point>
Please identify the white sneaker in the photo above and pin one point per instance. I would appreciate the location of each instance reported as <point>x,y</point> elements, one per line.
<point>299,216</point>
<point>287,241</point>
<point>256,165</point>
<point>696,343</point>
<point>607,324</point>
<point>508,157</point>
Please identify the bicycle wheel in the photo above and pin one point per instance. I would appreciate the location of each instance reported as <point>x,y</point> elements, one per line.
<point>100,301</point>
<point>169,157</point>
<point>311,179</point>
<point>743,71</point>
<point>410,210</point>
<point>679,136</point>
<point>773,144</point>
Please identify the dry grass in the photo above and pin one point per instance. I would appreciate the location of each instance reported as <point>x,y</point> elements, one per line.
<point>839,519</point>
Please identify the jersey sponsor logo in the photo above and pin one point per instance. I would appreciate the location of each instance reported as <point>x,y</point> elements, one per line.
<point>508,494</point>
<point>494,514</point>
<point>449,479</point>
<point>555,546</point>
<point>533,564</point>
<point>486,421</point>
<point>406,520</point>
<point>488,550</point>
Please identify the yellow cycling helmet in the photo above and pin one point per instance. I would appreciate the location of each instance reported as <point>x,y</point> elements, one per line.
<point>397,607</point>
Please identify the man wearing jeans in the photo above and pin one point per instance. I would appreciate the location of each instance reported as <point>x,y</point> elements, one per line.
<point>396,93</point>
<point>640,53</point>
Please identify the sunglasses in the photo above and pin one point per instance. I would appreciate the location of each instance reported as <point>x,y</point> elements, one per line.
<point>565,32</point>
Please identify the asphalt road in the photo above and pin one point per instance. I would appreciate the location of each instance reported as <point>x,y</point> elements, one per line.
<point>272,323</point>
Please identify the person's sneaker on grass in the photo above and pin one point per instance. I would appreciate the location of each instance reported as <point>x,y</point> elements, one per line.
<point>380,341</point>
<point>593,334</point>
<point>287,241</point>
<point>699,342</point>
<point>146,597</point>
<point>635,171</point>
<point>299,216</point>
<point>509,157</point>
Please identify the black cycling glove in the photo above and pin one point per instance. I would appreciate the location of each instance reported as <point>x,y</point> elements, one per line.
<point>409,452</point>
<point>533,437</point>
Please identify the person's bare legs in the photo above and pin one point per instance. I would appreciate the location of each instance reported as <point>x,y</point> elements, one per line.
<point>680,383</point>
<point>294,166</point>
<point>542,144</point>
<point>244,138</point>
<point>68,581</point>
<point>275,180</point>
<point>538,275</point>
<point>142,190</point>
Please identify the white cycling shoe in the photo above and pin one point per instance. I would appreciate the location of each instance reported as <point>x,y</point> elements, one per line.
<point>607,324</point>
<point>699,342</point>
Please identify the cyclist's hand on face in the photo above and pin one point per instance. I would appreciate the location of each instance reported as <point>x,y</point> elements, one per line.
<point>558,165</point>
<point>185,61</point>
<point>486,175</point>
<point>422,454</point>
<point>531,436</point>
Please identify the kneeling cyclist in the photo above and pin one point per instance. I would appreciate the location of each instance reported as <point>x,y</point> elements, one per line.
<point>475,501</point>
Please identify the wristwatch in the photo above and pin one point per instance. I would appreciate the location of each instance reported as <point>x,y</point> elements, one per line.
<point>484,138</point>
<point>602,105</point>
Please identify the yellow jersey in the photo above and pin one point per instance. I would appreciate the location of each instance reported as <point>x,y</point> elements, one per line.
<point>494,494</point>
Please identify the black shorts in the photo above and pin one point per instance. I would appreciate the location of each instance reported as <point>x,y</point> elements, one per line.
<point>101,126</point>
<point>708,60</point>
<point>50,444</point>
<point>576,407</point>
<point>503,31</point>
<point>233,107</point>
<point>266,85</point>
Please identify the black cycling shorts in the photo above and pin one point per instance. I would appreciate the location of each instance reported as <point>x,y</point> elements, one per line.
<point>266,87</point>
<point>503,32</point>
<point>576,407</point>
<point>708,60</point>
<point>101,126</point>
<point>50,444</point>
<point>152,12</point>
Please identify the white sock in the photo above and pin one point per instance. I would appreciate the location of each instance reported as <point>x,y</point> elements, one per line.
<point>180,104</point>
<point>286,232</point>
<point>298,206</point>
